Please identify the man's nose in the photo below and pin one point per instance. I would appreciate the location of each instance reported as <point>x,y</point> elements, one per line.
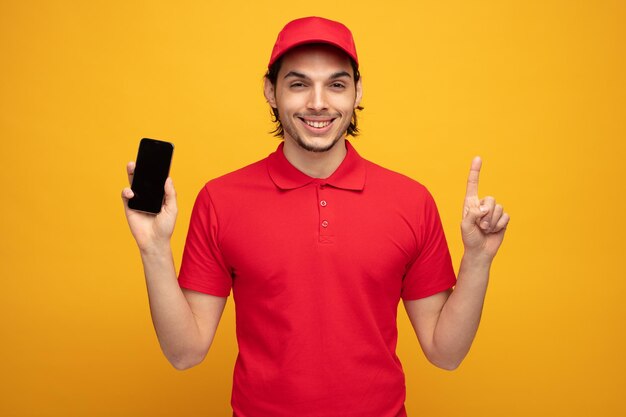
<point>317,99</point>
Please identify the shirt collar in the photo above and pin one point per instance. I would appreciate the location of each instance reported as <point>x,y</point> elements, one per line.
<point>350,175</point>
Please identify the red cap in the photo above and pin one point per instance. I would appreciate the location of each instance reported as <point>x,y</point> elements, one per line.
<point>313,30</point>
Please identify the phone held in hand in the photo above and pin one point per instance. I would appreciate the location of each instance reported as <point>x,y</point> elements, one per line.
<point>151,170</point>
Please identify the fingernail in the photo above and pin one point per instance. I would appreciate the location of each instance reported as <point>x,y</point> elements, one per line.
<point>484,224</point>
<point>483,209</point>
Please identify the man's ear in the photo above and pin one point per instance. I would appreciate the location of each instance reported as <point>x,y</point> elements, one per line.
<point>359,93</point>
<point>270,93</point>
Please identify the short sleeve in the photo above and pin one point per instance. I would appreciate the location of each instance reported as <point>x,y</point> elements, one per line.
<point>203,267</point>
<point>431,271</point>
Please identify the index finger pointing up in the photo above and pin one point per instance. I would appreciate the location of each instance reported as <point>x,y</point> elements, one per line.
<point>472,179</point>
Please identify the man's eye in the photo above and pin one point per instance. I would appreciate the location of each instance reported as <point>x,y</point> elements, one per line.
<point>296,85</point>
<point>337,85</point>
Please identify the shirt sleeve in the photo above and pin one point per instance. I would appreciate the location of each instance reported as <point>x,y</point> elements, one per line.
<point>203,267</point>
<point>431,271</point>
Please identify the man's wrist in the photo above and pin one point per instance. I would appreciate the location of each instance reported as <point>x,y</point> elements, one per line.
<point>477,259</point>
<point>156,250</point>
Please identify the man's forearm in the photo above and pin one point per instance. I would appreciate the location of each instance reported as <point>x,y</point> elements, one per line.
<point>460,315</point>
<point>446,323</point>
<point>172,317</point>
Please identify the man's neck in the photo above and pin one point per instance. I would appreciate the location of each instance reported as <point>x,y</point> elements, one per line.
<point>315,164</point>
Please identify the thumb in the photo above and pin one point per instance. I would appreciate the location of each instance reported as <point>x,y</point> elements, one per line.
<point>473,214</point>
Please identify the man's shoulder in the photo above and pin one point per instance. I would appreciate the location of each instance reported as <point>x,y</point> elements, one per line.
<point>251,174</point>
<point>378,175</point>
<point>236,189</point>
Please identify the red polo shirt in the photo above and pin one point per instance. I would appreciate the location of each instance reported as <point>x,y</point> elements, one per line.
<point>317,268</point>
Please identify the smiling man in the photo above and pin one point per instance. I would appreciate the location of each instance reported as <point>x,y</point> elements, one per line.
<point>318,247</point>
<point>317,105</point>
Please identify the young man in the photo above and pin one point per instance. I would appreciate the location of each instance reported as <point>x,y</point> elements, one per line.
<point>318,247</point>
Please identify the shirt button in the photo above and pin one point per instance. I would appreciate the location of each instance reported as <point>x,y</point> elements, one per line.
<point>323,203</point>
<point>324,223</point>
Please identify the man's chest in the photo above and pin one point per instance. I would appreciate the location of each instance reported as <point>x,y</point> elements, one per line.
<point>308,236</point>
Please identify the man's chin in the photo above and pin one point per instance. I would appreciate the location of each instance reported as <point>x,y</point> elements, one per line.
<point>316,147</point>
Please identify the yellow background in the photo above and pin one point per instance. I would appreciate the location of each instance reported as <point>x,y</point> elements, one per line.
<point>535,87</point>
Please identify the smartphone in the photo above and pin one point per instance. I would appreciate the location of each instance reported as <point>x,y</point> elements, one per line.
<point>151,170</point>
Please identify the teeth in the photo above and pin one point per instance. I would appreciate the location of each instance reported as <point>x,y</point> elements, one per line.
<point>317,124</point>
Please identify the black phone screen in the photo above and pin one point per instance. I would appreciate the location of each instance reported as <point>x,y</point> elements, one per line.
<point>151,170</point>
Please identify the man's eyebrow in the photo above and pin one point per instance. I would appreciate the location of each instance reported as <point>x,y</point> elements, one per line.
<point>340,74</point>
<point>295,74</point>
<point>335,75</point>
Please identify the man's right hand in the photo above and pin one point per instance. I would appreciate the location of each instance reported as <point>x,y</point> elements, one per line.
<point>151,232</point>
<point>185,320</point>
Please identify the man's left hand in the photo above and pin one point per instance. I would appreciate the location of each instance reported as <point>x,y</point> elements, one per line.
<point>484,222</point>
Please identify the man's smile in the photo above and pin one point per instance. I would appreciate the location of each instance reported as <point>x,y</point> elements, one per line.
<point>317,124</point>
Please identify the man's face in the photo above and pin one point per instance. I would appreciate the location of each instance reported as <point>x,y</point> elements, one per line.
<point>315,94</point>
